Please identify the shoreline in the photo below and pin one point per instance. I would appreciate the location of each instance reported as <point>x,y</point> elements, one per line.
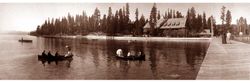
<point>94,37</point>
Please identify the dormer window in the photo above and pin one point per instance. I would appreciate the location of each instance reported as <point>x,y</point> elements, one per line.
<point>178,24</point>
<point>169,24</point>
<point>173,24</point>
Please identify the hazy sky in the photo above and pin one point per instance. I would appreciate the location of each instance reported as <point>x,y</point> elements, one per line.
<point>26,16</point>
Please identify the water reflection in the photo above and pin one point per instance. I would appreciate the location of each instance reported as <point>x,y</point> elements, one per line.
<point>166,60</point>
<point>55,59</point>
<point>95,59</point>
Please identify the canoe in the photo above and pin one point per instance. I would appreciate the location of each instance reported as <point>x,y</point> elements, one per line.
<point>54,58</point>
<point>25,40</point>
<point>142,57</point>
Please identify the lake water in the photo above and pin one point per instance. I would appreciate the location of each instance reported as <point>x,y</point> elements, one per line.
<point>95,59</point>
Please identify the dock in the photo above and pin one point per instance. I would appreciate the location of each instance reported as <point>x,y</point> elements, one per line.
<point>226,61</point>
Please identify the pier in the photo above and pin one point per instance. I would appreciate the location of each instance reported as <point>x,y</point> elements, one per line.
<point>226,61</point>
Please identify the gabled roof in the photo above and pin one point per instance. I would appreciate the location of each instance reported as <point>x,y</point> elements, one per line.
<point>174,23</point>
<point>158,23</point>
<point>147,25</point>
<point>169,23</point>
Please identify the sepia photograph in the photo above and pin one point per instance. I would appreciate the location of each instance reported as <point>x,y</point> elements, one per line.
<point>124,41</point>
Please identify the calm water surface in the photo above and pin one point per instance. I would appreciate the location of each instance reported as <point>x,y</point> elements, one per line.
<point>94,59</point>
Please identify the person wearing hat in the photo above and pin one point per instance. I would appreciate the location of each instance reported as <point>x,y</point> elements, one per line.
<point>44,54</point>
<point>119,53</point>
<point>50,55</point>
<point>56,54</point>
<point>69,53</point>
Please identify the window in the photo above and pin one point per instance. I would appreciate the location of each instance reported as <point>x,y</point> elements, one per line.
<point>178,24</point>
<point>173,24</point>
<point>169,24</point>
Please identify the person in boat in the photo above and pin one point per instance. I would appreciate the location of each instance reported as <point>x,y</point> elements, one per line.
<point>131,53</point>
<point>43,53</point>
<point>50,55</point>
<point>69,53</point>
<point>119,53</point>
<point>56,54</point>
<point>139,54</point>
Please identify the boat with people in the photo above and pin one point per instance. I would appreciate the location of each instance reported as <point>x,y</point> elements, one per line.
<point>49,58</point>
<point>57,56</point>
<point>25,40</point>
<point>54,57</point>
<point>130,55</point>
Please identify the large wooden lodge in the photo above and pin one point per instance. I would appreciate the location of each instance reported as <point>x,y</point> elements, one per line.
<point>172,27</point>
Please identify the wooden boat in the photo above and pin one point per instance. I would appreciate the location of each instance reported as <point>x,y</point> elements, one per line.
<point>22,40</point>
<point>133,57</point>
<point>54,58</point>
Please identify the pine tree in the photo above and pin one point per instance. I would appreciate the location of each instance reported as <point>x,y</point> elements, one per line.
<point>223,18</point>
<point>199,27</point>
<point>228,20</point>
<point>192,13</point>
<point>178,15</point>
<point>96,19</point>
<point>204,21</point>
<point>159,15</point>
<point>141,24</point>
<point>127,10</point>
<point>104,24</point>
<point>215,30</point>
<point>116,22</point>
<point>153,20</point>
<point>121,22</point>
<point>127,20</point>
<point>223,14</point>
<point>136,14</point>
<point>242,25</point>
<point>188,23</point>
<point>136,23</point>
<point>110,28</point>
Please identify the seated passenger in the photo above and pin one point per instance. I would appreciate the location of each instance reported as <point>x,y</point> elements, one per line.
<point>43,53</point>
<point>119,53</point>
<point>69,53</point>
<point>131,53</point>
<point>139,54</point>
<point>49,54</point>
<point>56,54</point>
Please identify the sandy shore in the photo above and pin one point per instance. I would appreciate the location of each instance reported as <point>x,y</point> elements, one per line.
<point>147,38</point>
<point>94,37</point>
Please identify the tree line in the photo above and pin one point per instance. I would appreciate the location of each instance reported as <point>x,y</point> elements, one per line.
<point>196,23</point>
<point>119,23</point>
<point>242,26</point>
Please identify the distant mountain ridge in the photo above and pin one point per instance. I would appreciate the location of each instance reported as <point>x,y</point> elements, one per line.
<point>15,32</point>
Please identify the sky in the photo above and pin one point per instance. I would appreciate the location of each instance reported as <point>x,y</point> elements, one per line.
<point>26,16</point>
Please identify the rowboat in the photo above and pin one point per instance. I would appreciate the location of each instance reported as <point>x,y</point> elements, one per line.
<point>54,58</point>
<point>22,40</point>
